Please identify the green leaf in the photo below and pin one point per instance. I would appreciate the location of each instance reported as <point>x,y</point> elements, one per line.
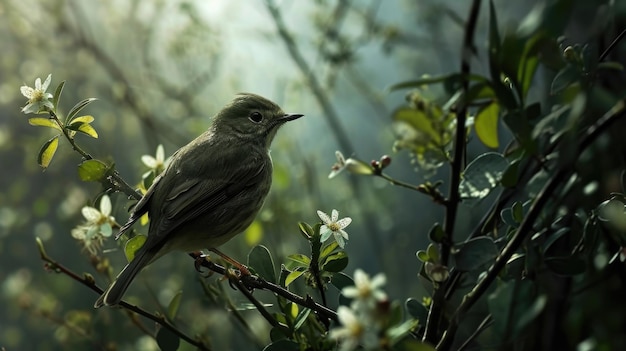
<point>422,256</point>
<point>57,95</point>
<point>83,119</point>
<point>566,265</point>
<point>292,276</point>
<point>529,61</point>
<point>341,280</point>
<point>261,260</point>
<point>475,253</point>
<point>306,230</point>
<point>436,234</point>
<point>336,262</point>
<point>133,245</point>
<point>92,171</point>
<point>283,345</point>
<point>328,249</point>
<point>172,308</point>
<point>167,340</point>
<point>420,122</point>
<point>84,128</point>
<point>303,260</point>
<point>43,122</point>
<point>301,318</point>
<point>417,310</point>
<point>563,79</point>
<point>507,217</point>
<point>486,125</point>
<point>77,108</point>
<point>47,151</point>
<point>517,211</point>
<point>511,174</point>
<point>433,253</point>
<point>482,175</point>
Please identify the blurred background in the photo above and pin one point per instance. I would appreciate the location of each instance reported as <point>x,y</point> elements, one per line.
<point>160,70</point>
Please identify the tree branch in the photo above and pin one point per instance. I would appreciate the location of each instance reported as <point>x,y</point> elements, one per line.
<point>436,308</point>
<point>526,227</point>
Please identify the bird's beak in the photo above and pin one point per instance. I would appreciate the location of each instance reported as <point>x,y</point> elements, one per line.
<point>290,117</point>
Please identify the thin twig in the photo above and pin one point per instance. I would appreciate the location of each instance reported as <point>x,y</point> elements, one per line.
<point>259,306</point>
<point>330,114</point>
<point>481,327</point>
<point>88,281</point>
<point>256,282</point>
<point>526,227</point>
<point>114,178</point>
<point>612,46</point>
<point>436,308</point>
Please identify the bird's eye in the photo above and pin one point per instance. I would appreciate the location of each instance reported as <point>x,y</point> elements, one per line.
<point>256,117</point>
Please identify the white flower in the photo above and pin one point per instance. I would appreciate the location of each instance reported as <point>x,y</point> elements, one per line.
<point>353,332</point>
<point>335,227</point>
<point>157,162</point>
<point>38,98</point>
<point>352,165</point>
<point>99,225</point>
<point>366,292</point>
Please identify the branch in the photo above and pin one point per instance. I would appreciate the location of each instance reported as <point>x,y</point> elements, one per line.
<point>255,282</point>
<point>316,87</point>
<point>526,227</point>
<point>436,308</point>
<point>114,179</point>
<point>88,281</point>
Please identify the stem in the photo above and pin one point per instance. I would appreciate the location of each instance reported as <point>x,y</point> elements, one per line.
<point>89,282</point>
<point>436,308</point>
<point>526,227</point>
<point>316,87</point>
<point>255,282</point>
<point>114,179</point>
<point>259,306</point>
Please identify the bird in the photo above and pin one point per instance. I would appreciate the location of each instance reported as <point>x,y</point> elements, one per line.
<point>211,190</point>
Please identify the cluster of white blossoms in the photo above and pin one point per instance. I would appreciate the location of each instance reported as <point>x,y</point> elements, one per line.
<point>361,324</point>
<point>98,226</point>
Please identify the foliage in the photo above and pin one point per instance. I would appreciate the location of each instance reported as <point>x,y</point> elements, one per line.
<point>544,243</point>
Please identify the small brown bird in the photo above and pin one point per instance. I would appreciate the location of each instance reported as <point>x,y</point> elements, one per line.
<point>211,190</point>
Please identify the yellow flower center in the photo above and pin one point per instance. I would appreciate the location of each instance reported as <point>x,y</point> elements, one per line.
<point>334,226</point>
<point>37,95</point>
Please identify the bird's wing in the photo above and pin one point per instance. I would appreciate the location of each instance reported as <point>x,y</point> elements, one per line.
<point>194,197</point>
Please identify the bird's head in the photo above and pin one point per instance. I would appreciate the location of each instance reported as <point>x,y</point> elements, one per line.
<point>251,117</point>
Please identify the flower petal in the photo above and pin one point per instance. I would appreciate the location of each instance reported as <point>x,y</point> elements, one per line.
<point>339,239</point>
<point>160,153</point>
<point>340,159</point>
<point>325,232</point>
<point>344,234</point>
<point>335,215</point>
<point>105,205</point>
<point>26,91</point>
<point>106,230</point>
<point>149,161</point>
<point>344,222</point>
<point>324,217</point>
<point>38,83</point>
<point>45,85</point>
<point>90,213</point>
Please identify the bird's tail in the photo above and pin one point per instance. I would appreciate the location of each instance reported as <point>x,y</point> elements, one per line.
<point>113,294</point>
